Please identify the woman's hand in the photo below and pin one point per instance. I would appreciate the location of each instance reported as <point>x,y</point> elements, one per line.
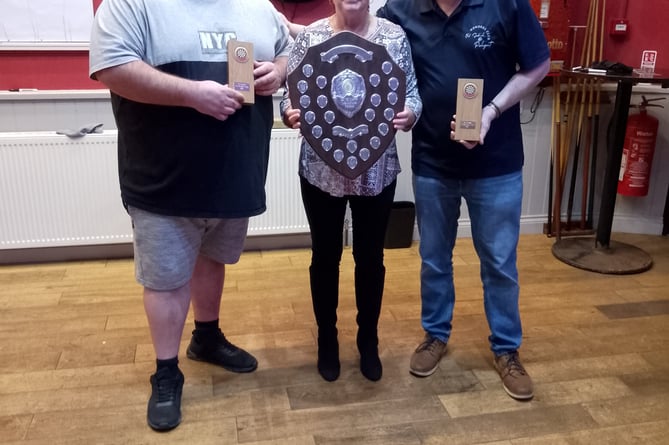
<point>404,120</point>
<point>291,118</point>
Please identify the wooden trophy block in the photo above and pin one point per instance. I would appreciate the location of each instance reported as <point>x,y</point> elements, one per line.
<point>468,109</point>
<point>240,69</point>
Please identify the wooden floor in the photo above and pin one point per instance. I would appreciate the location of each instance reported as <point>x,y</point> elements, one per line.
<point>75,358</point>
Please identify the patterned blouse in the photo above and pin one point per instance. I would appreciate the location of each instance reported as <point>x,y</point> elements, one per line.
<point>384,171</point>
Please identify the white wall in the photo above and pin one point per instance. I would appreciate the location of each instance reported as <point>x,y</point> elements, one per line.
<point>55,110</point>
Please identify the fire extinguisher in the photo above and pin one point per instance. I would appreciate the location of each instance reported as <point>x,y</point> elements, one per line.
<point>638,149</point>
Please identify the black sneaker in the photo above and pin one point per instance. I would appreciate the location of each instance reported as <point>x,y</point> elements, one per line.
<point>164,410</point>
<point>221,352</point>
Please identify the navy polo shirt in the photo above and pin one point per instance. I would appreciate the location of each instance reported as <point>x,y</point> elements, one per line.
<point>487,39</point>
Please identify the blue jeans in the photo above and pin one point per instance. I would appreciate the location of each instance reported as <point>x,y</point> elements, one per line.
<point>494,206</point>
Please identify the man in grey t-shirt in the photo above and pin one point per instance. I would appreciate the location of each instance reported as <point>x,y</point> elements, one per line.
<point>192,162</point>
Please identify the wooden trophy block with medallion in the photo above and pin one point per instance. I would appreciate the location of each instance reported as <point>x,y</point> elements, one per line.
<point>468,109</point>
<point>240,69</point>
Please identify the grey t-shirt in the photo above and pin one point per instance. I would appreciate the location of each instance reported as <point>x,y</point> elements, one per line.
<point>161,32</point>
<point>175,160</point>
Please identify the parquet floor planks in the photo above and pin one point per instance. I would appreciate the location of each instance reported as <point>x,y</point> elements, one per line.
<point>75,357</point>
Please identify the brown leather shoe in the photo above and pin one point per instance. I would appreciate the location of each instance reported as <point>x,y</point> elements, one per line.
<point>427,356</point>
<point>517,383</point>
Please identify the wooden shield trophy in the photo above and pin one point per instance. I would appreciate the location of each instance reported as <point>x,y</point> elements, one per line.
<point>468,109</point>
<point>240,69</point>
<point>348,91</point>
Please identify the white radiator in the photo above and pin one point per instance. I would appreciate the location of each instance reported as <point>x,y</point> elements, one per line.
<point>285,213</point>
<point>56,191</point>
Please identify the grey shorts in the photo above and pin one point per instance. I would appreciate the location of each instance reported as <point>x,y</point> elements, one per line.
<point>166,247</point>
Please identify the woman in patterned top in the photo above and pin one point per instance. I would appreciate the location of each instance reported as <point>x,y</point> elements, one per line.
<point>326,193</point>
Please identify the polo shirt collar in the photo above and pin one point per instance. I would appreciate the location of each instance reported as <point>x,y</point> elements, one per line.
<point>431,5</point>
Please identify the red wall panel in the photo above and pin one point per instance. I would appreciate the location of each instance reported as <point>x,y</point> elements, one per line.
<point>648,29</point>
<point>304,12</point>
<point>69,70</point>
<point>45,70</point>
<point>554,20</point>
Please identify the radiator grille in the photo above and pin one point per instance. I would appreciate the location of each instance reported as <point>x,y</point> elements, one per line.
<point>57,191</point>
<point>285,213</point>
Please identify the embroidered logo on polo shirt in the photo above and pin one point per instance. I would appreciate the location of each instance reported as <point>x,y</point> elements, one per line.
<point>480,36</point>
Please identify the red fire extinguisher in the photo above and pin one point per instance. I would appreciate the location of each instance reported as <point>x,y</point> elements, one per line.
<point>638,149</point>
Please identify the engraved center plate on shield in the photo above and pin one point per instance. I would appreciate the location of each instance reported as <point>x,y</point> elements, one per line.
<point>348,90</point>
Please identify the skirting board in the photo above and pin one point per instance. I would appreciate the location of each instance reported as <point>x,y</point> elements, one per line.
<point>124,250</point>
<point>532,225</point>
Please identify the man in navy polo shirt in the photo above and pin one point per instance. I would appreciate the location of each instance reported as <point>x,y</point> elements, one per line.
<point>501,42</point>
